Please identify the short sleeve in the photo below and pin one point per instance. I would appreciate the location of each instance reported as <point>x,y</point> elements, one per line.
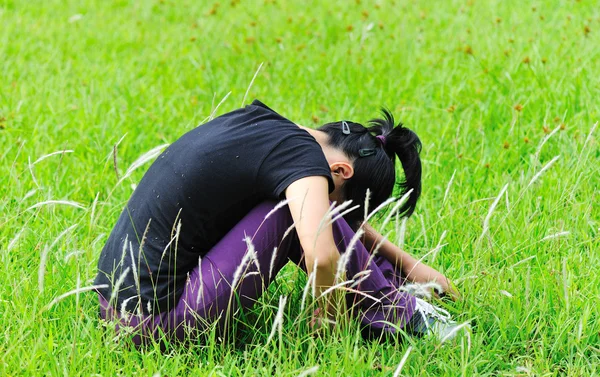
<point>296,157</point>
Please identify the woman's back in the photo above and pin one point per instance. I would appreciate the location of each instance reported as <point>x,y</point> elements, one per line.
<point>193,194</point>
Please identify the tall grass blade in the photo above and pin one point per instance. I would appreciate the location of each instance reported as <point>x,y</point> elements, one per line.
<point>486,221</point>
<point>546,167</point>
<point>309,371</point>
<point>539,148</point>
<point>251,83</point>
<point>51,154</point>
<point>146,157</point>
<point>212,114</point>
<point>75,291</point>
<point>42,268</point>
<point>278,322</point>
<point>402,362</point>
<point>54,202</point>
<point>448,188</point>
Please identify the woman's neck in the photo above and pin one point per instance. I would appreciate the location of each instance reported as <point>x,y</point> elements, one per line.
<point>320,136</point>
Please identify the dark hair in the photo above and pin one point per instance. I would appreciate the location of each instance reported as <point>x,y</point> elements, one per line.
<point>373,150</point>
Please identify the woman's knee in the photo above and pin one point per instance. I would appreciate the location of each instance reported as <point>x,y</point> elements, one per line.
<point>271,215</point>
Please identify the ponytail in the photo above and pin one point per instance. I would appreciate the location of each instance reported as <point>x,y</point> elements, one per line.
<point>404,143</point>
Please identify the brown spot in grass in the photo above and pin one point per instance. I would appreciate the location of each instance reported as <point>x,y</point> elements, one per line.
<point>586,30</point>
<point>526,140</point>
<point>511,40</point>
<point>526,60</point>
<point>487,165</point>
<point>507,52</point>
<point>498,20</point>
<point>533,9</point>
<point>381,25</point>
<point>563,126</point>
<point>212,11</point>
<point>323,108</point>
<point>518,107</point>
<point>253,23</point>
<point>556,119</point>
<point>506,145</point>
<point>546,130</point>
<point>451,109</point>
<point>278,39</point>
<point>193,39</point>
<point>468,50</point>
<point>349,28</point>
<point>315,119</point>
<point>365,14</point>
<point>250,40</point>
<point>544,60</point>
<point>460,156</point>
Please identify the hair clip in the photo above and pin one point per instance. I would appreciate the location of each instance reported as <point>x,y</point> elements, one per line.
<point>366,152</point>
<point>345,128</point>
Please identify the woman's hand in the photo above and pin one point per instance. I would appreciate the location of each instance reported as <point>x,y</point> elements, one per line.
<point>422,273</point>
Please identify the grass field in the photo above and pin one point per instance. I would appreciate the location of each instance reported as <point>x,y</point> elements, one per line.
<point>504,95</point>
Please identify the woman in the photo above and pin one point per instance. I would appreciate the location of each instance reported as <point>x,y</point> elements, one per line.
<point>201,233</point>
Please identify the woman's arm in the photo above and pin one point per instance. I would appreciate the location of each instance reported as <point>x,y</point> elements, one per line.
<point>309,204</point>
<point>414,270</point>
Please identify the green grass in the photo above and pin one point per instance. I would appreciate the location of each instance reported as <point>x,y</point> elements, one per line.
<point>483,83</point>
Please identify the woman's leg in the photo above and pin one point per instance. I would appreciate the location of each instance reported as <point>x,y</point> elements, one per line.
<point>247,259</point>
<point>208,294</point>
<point>378,302</point>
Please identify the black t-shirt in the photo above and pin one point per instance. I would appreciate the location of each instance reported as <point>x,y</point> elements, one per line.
<point>205,182</point>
